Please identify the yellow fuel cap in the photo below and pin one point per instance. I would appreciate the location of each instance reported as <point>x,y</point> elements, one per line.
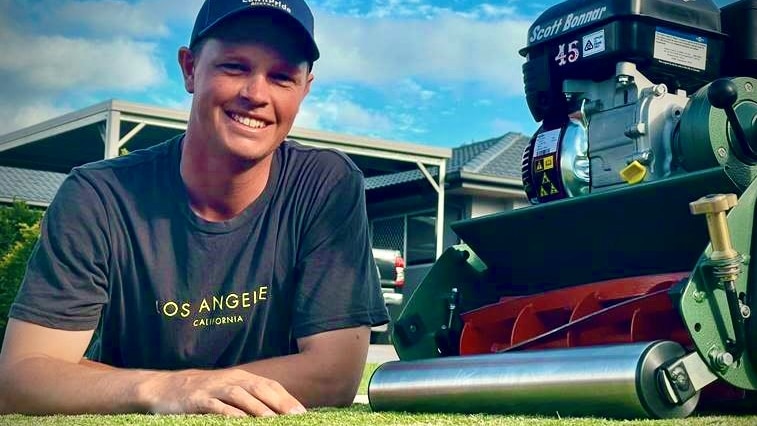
<point>633,173</point>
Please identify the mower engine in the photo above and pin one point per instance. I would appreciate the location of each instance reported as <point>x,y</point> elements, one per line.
<point>611,82</point>
<point>610,295</point>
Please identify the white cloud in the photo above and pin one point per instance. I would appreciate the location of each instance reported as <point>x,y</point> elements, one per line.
<point>37,71</point>
<point>336,111</point>
<point>450,48</point>
<point>15,116</point>
<point>412,8</point>
<point>140,20</point>
<point>57,63</point>
<point>413,91</point>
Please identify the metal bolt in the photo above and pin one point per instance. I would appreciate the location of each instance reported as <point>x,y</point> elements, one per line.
<point>722,152</point>
<point>659,90</point>
<point>749,87</point>
<point>722,360</point>
<point>698,296</point>
<point>745,311</point>
<point>635,130</point>
<point>412,328</point>
<point>623,80</point>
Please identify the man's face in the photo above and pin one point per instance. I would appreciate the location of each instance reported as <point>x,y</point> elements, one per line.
<point>247,91</point>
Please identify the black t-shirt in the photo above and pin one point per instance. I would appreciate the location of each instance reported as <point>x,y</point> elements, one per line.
<point>121,251</point>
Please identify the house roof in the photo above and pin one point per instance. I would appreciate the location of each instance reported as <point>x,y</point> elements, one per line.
<point>32,186</point>
<point>498,157</point>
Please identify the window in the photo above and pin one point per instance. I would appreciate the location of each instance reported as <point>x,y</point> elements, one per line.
<point>421,238</point>
<point>413,234</point>
<point>389,233</point>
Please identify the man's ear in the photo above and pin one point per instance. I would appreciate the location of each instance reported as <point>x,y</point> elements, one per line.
<point>308,83</point>
<point>187,64</point>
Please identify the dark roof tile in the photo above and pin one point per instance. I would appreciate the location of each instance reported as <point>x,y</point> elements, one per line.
<point>29,185</point>
<point>498,157</point>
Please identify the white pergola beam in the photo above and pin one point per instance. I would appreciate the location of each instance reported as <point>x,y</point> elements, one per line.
<point>9,142</point>
<point>440,210</point>
<point>114,112</point>
<point>112,134</point>
<point>133,132</point>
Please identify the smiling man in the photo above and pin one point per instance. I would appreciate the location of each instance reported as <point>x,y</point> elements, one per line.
<point>227,270</point>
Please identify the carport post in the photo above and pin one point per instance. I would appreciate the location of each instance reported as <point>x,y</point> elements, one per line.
<point>439,188</point>
<point>440,209</point>
<point>112,133</point>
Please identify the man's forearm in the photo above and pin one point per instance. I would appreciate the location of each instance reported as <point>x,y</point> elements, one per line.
<point>39,385</point>
<point>327,370</point>
<point>314,382</point>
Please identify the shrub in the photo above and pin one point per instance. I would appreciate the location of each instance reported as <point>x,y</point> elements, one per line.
<point>10,218</point>
<point>19,231</point>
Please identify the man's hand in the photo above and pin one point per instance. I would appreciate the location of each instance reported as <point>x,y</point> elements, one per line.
<point>232,392</point>
<point>34,354</point>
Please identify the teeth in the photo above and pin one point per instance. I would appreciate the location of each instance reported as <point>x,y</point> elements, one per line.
<point>247,121</point>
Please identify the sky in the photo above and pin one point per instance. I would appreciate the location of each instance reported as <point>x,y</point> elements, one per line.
<point>438,73</point>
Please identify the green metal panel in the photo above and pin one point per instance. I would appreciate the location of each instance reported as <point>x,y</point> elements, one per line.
<point>635,230</point>
<point>428,309</point>
<point>706,137</point>
<point>703,304</point>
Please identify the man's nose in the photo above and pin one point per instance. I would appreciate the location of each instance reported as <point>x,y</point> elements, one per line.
<point>255,89</point>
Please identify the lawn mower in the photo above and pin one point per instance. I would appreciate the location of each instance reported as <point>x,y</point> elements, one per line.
<point>626,288</point>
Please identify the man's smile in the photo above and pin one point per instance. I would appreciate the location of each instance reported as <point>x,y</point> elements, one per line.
<point>247,121</point>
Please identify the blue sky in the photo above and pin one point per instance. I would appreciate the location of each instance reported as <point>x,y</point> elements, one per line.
<point>439,73</point>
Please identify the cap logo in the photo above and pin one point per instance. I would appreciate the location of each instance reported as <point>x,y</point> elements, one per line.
<point>274,3</point>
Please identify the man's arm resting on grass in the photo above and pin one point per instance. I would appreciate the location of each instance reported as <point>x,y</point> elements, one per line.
<point>327,369</point>
<point>41,373</point>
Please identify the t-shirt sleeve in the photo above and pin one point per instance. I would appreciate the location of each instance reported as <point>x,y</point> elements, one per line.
<point>65,285</point>
<point>338,282</point>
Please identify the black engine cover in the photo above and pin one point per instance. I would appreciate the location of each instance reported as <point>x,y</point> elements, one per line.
<point>674,42</point>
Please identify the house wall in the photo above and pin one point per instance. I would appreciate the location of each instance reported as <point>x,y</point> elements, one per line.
<point>482,206</point>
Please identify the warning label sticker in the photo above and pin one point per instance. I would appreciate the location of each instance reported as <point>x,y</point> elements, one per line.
<point>685,50</point>
<point>547,187</point>
<point>549,162</point>
<point>546,143</point>
<point>593,43</point>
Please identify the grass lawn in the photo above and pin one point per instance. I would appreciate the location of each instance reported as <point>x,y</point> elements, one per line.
<point>360,414</point>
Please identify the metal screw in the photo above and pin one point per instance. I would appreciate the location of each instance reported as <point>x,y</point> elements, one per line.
<point>412,328</point>
<point>623,80</point>
<point>749,87</point>
<point>722,152</point>
<point>698,296</point>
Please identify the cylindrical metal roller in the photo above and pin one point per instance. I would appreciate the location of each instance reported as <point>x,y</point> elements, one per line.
<point>608,381</point>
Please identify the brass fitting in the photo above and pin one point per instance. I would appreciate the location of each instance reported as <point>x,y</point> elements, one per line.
<point>714,207</point>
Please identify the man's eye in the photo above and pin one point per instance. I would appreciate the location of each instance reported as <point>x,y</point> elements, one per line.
<point>285,78</point>
<point>232,67</point>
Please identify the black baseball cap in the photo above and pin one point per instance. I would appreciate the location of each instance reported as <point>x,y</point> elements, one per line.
<point>213,12</point>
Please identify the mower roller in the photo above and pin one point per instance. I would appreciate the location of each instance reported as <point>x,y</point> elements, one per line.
<point>626,289</point>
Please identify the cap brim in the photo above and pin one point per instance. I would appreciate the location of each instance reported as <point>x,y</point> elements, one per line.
<point>311,49</point>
